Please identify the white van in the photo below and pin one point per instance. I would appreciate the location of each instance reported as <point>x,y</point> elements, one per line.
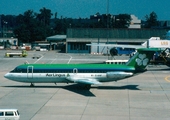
<point>9,114</point>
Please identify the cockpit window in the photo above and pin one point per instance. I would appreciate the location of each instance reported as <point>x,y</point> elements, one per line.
<point>17,70</point>
<point>14,70</point>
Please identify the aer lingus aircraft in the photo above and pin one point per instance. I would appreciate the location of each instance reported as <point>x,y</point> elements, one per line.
<point>87,74</point>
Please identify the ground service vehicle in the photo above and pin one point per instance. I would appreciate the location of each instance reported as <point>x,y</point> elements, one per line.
<point>20,54</point>
<point>9,114</point>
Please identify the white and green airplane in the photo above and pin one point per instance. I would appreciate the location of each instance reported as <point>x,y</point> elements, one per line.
<point>87,74</point>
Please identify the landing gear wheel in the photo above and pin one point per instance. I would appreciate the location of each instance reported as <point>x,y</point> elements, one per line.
<point>32,85</point>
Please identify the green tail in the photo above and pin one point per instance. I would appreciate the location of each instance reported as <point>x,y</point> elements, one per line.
<point>141,59</point>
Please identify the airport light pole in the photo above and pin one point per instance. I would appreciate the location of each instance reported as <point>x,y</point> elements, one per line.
<point>4,29</point>
<point>107,18</point>
<point>1,27</point>
<point>107,26</point>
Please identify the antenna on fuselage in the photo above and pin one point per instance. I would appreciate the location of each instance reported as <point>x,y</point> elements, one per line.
<point>26,62</point>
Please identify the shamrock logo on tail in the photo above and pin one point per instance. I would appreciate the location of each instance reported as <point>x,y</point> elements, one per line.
<point>142,60</point>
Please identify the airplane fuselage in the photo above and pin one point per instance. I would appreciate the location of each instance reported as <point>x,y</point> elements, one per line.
<point>62,77</point>
<point>68,73</point>
<point>88,74</point>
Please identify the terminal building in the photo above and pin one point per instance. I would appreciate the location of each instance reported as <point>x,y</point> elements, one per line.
<point>77,39</point>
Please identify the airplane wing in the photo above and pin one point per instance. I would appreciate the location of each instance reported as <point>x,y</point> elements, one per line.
<point>84,80</point>
<point>116,45</point>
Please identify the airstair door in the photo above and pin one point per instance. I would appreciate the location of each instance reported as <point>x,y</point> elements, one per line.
<point>75,71</point>
<point>30,72</point>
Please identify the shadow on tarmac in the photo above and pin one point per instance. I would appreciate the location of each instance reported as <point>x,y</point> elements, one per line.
<point>126,87</point>
<point>85,92</point>
<point>156,69</point>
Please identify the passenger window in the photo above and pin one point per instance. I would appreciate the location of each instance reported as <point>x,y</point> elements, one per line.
<point>9,113</point>
<point>1,113</point>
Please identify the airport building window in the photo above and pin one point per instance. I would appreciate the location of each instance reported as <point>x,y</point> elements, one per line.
<point>78,46</point>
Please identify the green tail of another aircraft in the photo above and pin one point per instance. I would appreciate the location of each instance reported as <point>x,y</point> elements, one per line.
<point>141,59</point>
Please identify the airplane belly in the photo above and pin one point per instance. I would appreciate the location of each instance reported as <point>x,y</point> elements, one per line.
<point>48,80</point>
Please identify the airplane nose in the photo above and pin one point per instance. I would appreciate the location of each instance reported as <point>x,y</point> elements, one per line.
<point>9,76</point>
<point>6,75</point>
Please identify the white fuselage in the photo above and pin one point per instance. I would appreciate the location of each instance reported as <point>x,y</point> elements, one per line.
<point>64,77</point>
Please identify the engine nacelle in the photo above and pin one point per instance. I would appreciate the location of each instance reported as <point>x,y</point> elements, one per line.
<point>113,52</point>
<point>118,75</point>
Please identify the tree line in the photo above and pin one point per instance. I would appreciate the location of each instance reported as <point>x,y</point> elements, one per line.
<point>31,26</point>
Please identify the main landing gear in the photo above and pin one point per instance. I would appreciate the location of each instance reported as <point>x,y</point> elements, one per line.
<point>32,85</point>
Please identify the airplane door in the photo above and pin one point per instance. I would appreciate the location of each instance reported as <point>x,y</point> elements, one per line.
<point>30,72</point>
<point>75,71</point>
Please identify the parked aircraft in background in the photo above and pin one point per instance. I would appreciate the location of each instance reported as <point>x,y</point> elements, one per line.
<point>86,74</point>
<point>116,49</point>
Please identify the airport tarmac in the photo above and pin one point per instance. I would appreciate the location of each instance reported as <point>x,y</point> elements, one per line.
<point>142,97</point>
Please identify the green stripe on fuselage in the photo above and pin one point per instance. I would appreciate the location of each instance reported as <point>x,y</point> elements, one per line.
<point>105,67</point>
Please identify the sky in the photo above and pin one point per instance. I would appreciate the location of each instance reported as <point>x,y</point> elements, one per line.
<point>85,8</point>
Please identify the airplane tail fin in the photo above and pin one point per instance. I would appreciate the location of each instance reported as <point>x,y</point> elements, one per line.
<point>142,57</point>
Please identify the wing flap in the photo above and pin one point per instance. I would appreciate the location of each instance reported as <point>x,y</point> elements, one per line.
<point>84,81</point>
<point>88,81</point>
